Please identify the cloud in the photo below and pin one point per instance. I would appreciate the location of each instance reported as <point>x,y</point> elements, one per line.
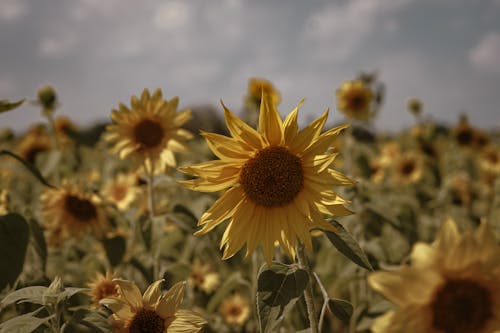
<point>11,10</point>
<point>172,15</point>
<point>54,47</point>
<point>341,28</point>
<point>486,54</point>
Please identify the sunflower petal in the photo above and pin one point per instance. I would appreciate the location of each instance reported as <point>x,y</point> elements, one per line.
<point>270,124</point>
<point>130,292</point>
<point>168,304</point>
<point>152,294</point>
<point>241,131</point>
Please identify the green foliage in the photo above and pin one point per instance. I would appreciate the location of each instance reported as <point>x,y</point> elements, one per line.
<point>6,105</point>
<point>14,237</point>
<point>31,168</point>
<point>341,309</point>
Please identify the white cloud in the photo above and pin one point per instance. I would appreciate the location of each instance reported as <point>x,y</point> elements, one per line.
<point>172,15</point>
<point>340,28</point>
<point>54,47</point>
<point>486,54</point>
<point>11,10</point>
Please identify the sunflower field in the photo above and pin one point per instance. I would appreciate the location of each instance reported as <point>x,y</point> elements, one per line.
<point>167,220</point>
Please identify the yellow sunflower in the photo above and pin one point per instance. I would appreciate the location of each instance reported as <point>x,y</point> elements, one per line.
<point>235,309</point>
<point>150,131</point>
<point>278,178</point>
<point>102,286</point>
<point>68,211</point>
<point>35,142</point>
<point>152,312</point>
<point>203,277</point>
<point>4,202</point>
<point>257,85</point>
<point>121,190</point>
<point>354,99</point>
<point>451,287</point>
<point>408,168</point>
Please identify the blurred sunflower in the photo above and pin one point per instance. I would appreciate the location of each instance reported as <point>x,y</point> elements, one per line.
<point>203,277</point>
<point>279,179</point>
<point>490,161</point>
<point>450,287</point>
<point>152,312</point>
<point>150,131</point>
<point>68,211</point>
<point>4,202</point>
<point>354,99</point>
<point>235,309</point>
<point>34,143</point>
<point>408,168</point>
<point>121,190</point>
<point>102,286</point>
<point>255,88</point>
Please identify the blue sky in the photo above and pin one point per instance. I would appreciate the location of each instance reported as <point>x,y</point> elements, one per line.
<point>98,53</point>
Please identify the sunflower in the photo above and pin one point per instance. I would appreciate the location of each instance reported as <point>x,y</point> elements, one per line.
<point>490,161</point>
<point>255,88</point>
<point>235,309</point>
<point>122,190</point>
<point>152,312</point>
<point>4,202</point>
<point>102,286</point>
<point>150,131</point>
<point>279,181</point>
<point>68,211</point>
<point>450,287</point>
<point>203,277</point>
<point>408,168</point>
<point>354,99</point>
<point>35,142</point>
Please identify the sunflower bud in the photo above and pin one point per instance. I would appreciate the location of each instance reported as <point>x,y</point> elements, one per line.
<point>47,97</point>
<point>414,106</point>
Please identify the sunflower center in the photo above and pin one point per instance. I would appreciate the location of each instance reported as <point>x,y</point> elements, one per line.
<point>147,321</point>
<point>234,311</point>
<point>461,306</point>
<point>464,137</point>
<point>81,209</point>
<point>119,192</point>
<point>357,102</point>
<point>148,133</point>
<point>273,177</point>
<point>407,167</point>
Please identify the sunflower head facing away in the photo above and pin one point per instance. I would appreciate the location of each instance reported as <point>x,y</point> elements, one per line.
<point>153,312</point>
<point>149,133</point>
<point>102,286</point>
<point>278,178</point>
<point>255,88</point>
<point>354,99</point>
<point>68,211</point>
<point>235,309</point>
<point>451,286</point>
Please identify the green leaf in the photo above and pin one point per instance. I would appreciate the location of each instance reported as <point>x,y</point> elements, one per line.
<point>31,168</point>
<point>6,105</point>
<point>278,288</point>
<point>32,294</point>
<point>97,321</point>
<point>346,245</point>
<point>25,323</point>
<point>14,237</point>
<point>340,309</point>
<point>70,291</point>
<point>115,249</point>
<point>40,244</point>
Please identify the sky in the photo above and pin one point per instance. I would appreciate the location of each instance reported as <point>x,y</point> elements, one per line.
<point>98,53</point>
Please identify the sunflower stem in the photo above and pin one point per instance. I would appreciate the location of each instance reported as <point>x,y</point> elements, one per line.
<point>151,198</point>
<point>308,292</point>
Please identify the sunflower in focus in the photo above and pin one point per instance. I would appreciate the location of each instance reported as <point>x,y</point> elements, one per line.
<point>354,99</point>
<point>152,312</point>
<point>102,286</point>
<point>451,286</point>
<point>122,190</point>
<point>278,180</point>
<point>68,211</point>
<point>235,309</point>
<point>149,133</point>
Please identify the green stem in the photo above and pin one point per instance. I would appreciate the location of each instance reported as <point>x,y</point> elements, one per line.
<point>308,292</point>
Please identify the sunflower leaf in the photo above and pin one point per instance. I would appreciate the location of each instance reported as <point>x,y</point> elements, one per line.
<point>346,245</point>
<point>279,286</point>
<point>6,105</point>
<point>14,237</point>
<point>25,323</point>
<point>115,249</point>
<point>95,320</point>
<point>341,309</point>
<point>31,168</point>
<point>39,241</point>
<point>32,294</point>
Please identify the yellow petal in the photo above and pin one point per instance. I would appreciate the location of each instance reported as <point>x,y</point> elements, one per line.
<point>270,124</point>
<point>307,135</point>
<point>221,210</point>
<point>186,321</point>
<point>131,294</point>
<point>241,131</point>
<point>169,303</point>
<point>291,125</point>
<point>227,148</point>
<point>119,307</point>
<point>152,294</point>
